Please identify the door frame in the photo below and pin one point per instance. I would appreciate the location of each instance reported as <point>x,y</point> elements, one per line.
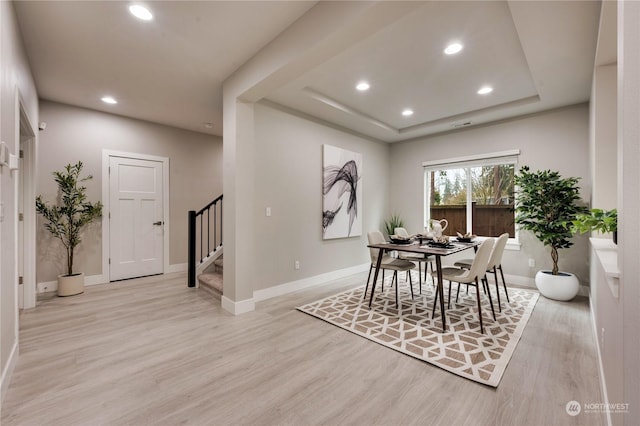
<point>28,175</point>
<point>106,200</point>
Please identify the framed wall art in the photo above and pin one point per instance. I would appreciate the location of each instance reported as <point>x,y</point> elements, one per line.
<point>341,193</point>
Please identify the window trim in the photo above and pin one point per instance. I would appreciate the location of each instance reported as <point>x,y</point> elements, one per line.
<point>474,160</point>
<point>495,158</point>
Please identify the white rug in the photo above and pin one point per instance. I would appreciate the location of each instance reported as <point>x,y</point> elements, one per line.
<point>462,350</point>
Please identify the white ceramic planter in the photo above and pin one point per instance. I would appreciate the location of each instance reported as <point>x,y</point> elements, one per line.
<point>563,286</point>
<point>70,285</point>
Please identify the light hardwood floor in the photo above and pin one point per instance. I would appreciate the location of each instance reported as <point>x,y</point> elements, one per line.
<point>152,351</point>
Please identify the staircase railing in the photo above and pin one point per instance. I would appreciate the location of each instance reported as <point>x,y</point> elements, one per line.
<point>205,236</point>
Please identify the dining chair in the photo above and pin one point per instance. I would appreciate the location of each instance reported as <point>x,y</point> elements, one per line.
<point>388,262</point>
<point>495,264</point>
<point>472,276</point>
<point>415,257</point>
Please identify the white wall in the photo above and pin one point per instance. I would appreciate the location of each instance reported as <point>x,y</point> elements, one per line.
<point>607,309</point>
<point>15,82</point>
<point>629,201</point>
<point>72,134</point>
<point>604,153</point>
<point>556,140</point>
<point>288,178</point>
<point>325,30</point>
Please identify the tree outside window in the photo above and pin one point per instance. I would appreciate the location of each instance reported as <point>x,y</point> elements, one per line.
<point>477,199</point>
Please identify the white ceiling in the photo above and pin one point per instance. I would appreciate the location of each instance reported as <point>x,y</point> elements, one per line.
<point>536,55</point>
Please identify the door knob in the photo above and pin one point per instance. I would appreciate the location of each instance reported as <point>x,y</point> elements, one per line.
<point>158,223</point>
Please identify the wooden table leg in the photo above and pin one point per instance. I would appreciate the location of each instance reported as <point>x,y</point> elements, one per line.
<point>375,275</point>
<point>440,290</point>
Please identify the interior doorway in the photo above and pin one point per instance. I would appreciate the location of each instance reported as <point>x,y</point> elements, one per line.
<point>25,191</point>
<point>136,214</point>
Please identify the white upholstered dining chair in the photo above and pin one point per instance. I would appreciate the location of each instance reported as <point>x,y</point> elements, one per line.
<point>388,262</point>
<point>420,259</point>
<point>495,264</point>
<point>472,276</point>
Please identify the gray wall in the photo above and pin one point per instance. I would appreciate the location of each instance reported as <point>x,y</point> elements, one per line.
<point>288,178</point>
<point>557,140</point>
<point>16,83</point>
<point>72,134</point>
<point>607,310</point>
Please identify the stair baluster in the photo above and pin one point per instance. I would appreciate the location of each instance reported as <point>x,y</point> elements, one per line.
<point>196,239</point>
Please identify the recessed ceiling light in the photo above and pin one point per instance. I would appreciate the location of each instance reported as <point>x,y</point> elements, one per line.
<point>140,12</point>
<point>208,125</point>
<point>362,86</point>
<point>407,112</point>
<point>484,90</point>
<point>453,48</point>
<point>109,100</point>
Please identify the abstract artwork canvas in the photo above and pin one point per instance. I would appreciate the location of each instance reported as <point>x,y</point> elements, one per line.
<point>341,193</point>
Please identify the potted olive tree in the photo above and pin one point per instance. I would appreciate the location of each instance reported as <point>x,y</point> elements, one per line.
<point>67,220</point>
<point>546,205</point>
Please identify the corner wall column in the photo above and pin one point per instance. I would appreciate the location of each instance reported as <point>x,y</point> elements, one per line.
<point>238,208</point>
<point>629,200</point>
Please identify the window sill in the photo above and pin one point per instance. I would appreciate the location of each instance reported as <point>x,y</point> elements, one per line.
<point>607,253</point>
<point>512,244</point>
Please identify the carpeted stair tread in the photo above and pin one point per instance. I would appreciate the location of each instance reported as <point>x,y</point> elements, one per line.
<point>211,281</point>
<point>219,262</point>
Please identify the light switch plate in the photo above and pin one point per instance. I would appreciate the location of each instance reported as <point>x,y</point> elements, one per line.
<point>4,154</point>
<point>14,162</point>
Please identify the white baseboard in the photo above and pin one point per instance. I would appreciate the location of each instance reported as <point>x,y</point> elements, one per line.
<point>304,283</point>
<point>49,286</point>
<point>8,371</point>
<point>177,267</point>
<point>237,308</point>
<point>248,305</point>
<point>603,383</point>
<point>518,280</point>
<point>531,282</point>
<point>95,279</point>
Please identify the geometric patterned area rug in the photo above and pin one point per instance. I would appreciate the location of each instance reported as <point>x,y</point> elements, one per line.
<point>462,349</point>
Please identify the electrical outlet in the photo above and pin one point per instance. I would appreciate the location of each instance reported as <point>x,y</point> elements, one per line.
<point>267,212</point>
<point>532,263</point>
<point>296,265</point>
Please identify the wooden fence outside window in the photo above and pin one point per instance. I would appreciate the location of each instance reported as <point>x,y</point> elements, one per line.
<point>488,220</point>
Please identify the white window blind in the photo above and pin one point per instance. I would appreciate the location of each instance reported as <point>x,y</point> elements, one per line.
<point>492,159</point>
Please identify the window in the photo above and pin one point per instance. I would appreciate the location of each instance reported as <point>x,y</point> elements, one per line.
<point>474,194</point>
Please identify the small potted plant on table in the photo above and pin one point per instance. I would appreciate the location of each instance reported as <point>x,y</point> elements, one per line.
<point>67,220</point>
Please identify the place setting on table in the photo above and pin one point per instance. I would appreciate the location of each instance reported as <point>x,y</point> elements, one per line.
<point>454,340</point>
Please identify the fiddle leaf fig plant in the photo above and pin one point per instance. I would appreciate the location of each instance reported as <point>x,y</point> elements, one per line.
<point>546,205</point>
<point>67,220</point>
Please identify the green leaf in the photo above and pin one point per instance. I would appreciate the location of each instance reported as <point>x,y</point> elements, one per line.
<point>547,205</point>
<point>67,220</point>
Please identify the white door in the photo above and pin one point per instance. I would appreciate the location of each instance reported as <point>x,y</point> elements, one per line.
<point>135,218</point>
